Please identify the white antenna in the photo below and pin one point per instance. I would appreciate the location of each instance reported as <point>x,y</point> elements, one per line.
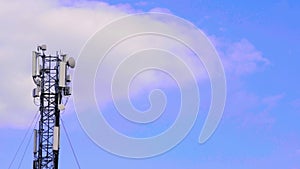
<point>35,141</point>
<point>71,62</point>
<point>34,64</point>
<point>62,74</point>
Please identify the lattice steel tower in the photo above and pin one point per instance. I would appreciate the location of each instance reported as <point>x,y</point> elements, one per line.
<point>51,78</point>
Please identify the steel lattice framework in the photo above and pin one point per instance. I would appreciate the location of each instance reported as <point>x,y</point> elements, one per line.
<point>50,78</point>
<point>49,111</point>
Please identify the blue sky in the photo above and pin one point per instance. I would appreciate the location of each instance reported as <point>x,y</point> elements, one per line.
<point>257,43</point>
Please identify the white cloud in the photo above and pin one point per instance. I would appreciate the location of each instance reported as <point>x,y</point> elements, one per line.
<point>161,10</point>
<point>241,57</point>
<point>27,24</point>
<point>67,27</point>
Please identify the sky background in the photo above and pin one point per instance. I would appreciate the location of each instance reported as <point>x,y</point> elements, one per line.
<point>257,43</point>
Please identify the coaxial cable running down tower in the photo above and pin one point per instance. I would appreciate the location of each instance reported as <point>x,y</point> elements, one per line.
<point>50,74</point>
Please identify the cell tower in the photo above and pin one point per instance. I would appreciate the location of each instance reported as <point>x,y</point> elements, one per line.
<point>52,85</point>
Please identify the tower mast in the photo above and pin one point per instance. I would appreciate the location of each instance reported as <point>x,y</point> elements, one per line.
<point>52,82</point>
